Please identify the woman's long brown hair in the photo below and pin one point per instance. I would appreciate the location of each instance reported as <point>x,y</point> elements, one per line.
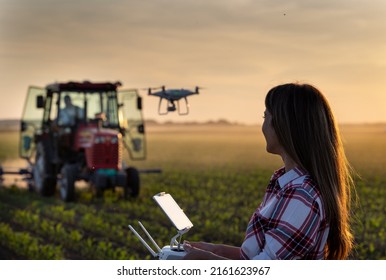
<point>306,128</point>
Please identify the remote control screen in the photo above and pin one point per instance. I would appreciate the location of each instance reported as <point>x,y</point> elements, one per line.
<point>173,211</point>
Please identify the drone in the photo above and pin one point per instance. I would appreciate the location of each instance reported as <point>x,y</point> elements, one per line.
<point>171,96</point>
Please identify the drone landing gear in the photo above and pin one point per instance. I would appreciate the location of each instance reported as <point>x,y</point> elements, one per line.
<point>171,107</point>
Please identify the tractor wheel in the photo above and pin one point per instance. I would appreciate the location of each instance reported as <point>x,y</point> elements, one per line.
<point>67,182</point>
<point>131,188</point>
<point>44,175</point>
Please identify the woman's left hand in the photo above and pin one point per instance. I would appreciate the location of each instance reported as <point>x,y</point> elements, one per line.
<point>195,253</point>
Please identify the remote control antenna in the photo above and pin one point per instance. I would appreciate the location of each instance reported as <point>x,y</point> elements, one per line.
<point>151,238</point>
<point>143,242</point>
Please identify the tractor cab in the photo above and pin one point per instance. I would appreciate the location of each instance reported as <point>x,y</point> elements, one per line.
<point>78,131</point>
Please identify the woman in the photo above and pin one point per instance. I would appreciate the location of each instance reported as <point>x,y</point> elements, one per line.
<point>305,210</point>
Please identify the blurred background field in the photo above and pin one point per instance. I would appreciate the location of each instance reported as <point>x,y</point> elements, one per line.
<point>217,173</point>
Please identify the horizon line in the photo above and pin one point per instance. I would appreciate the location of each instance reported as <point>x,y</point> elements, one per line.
<point>218,121</point>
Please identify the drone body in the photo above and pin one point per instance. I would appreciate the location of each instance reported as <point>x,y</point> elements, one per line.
<point>172,95</point>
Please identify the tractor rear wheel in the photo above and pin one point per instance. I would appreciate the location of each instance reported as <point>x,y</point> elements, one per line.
<point>131,188</point>
<point>67,182</point>
<point>43,171</point>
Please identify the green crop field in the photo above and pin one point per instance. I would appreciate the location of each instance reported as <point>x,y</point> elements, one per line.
<point>217,174</point>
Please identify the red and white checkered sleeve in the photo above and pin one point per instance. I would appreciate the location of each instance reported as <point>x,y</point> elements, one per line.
<point>293,225</point>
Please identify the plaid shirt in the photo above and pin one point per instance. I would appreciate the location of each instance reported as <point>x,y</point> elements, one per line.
<point>290,222</point>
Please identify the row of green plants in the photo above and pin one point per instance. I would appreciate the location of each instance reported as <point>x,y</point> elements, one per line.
<point>25,246</point>
<point>218,203</point>
<point>88,238</point>
<point>369,218</point>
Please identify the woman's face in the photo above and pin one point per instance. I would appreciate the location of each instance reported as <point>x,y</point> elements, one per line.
<point>271,139</point>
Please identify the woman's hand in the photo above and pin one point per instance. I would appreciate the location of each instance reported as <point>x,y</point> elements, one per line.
<point>200,251</point>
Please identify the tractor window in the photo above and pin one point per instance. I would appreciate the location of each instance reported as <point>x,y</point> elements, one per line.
<point>54,107</point>
<point>111,109</point>
<point>31,122</point>
<point>94,105</point>
<point>106,103</point>
<point>71,108</point>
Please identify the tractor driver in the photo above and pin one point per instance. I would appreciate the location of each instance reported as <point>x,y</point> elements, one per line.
<point>70,113</point>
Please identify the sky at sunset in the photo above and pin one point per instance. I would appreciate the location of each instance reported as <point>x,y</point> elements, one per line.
<point>236,49</point>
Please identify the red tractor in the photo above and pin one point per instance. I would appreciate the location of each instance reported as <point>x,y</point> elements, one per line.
<point>78,131</point>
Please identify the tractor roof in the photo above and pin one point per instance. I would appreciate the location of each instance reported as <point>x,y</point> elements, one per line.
<point>83,87</point>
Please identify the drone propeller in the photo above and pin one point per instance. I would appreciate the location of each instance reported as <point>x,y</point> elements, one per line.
<point>154,88</point>
<point>197,89</point>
